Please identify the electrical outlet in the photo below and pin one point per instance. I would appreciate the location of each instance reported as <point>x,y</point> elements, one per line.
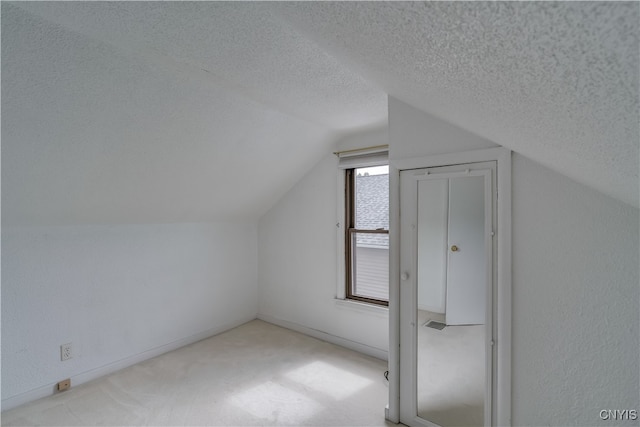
<point>64,384</point>
<point>65,352</point>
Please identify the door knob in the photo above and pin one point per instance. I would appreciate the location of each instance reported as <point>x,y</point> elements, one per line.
<point>404,276</point>
<point>454,248</point>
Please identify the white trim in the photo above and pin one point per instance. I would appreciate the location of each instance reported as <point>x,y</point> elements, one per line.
<point>363,307</point>
<point>503,368</point>
<point>50,389</point>
<point>360,160</point>
<point>450,159</point>
<point>420,422</point>
<point>341,286</point>
<point>378,353</point>
<point>502,401</point>
<point>491,225</point>
<point>409,180</point>
<point>392,411</point>
<point>384,148</point>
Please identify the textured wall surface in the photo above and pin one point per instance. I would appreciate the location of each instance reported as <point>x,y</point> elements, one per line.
<point>575,301</point>
<point>116,292</point>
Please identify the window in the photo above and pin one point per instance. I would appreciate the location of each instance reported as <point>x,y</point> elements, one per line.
<point>367,234</point>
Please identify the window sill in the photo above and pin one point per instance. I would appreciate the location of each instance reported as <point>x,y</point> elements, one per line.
<point>363,307</point>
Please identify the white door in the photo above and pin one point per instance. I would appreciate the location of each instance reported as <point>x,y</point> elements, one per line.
<point>432,229</point>
<point>451,206</point>
<point>466,266</point>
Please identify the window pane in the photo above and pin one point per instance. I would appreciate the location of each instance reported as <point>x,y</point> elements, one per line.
<point>370,265</point>
<point>372,198</point>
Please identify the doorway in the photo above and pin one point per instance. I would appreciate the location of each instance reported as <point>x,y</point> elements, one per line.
<point>447,288</point>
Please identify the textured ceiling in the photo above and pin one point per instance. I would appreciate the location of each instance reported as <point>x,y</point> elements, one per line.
<point>170,111</point>
<point>556,81</point>
<point>164,112</point>
<point>241,46</point>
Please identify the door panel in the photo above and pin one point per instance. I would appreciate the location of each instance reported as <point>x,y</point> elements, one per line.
<point>466,267</point>
<point>446,370</point>
<point>433,205</point>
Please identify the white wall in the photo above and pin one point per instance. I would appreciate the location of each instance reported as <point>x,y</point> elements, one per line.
<point>297,246</point>
<point>119,294</point>
<point>413,133</point>
<point>575,283</point>
<point>575,300</point>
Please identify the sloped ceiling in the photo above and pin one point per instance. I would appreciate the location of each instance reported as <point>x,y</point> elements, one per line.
<point>555,81</point>
<point>116,112</point>
<point>125,112</point>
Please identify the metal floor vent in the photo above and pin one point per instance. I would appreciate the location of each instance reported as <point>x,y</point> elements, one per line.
<point>435,325</point>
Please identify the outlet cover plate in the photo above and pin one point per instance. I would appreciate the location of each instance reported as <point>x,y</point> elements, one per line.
<point>65,352</point>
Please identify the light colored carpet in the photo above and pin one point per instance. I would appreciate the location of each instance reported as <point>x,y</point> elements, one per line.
<point>256,374</point>
<point>451,374</point>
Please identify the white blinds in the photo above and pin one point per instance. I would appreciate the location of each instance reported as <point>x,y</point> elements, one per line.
<point>362,158</point>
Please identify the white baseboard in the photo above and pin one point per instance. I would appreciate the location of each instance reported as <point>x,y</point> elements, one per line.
<point>83,377</point>
<point>333,339</point>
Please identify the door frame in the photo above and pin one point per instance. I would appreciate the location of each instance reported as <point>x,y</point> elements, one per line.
<point>410,180</point>
<point>501,402</point>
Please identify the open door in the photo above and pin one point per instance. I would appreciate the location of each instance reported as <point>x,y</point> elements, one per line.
<point>466,260</point>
